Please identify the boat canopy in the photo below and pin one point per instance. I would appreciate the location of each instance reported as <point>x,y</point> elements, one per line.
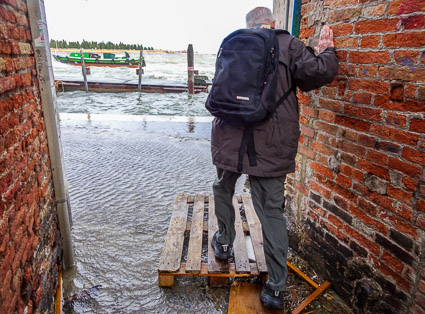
<point>108,55</point>
<point>86,55</point>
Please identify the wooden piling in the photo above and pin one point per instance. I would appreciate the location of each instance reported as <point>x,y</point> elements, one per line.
<point>83,66</point>
<point>140,71</point>
<point>190,69</point>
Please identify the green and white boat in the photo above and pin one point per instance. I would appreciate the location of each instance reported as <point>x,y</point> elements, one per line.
<point>105,59</point>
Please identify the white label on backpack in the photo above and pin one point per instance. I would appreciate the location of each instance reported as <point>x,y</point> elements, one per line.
<point>242,98</point>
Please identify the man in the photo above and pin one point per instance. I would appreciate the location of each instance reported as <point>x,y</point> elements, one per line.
<point>276,142</point>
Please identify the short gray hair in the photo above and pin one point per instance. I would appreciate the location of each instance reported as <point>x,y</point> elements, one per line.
<point>258,16</point>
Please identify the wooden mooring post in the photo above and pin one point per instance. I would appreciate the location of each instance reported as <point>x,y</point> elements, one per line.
<point>83,66</point>
<point>190,70</point>
<point>139,88</point>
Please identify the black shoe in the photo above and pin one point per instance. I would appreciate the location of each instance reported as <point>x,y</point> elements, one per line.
<point>271,299</point>
<point>221,251</point>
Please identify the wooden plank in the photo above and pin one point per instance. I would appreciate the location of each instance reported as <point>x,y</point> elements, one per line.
<point>173,247</point>
<point>194,253</point>
<point>165,281</point>
<point>204,272</point>
<point>214,265</point>
<point>311,297</point>
<point>255,231</point>
<point>244,298</point>
<point>301,274</point>
<point>239,245</point>
<point>205,227</point>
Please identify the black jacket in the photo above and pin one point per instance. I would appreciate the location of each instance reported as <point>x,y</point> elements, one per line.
<point>276,139</point>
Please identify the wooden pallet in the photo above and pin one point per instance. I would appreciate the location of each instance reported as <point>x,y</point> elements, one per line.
<point>195,217</point>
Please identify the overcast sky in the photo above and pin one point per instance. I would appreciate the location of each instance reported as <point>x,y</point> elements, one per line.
<point>162,24</point>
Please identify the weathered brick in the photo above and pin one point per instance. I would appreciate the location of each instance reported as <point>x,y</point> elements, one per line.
<point>370,57</point>
<point>352,122</point>
<point>307,32</point>
<point>337,211</point>
<point>402,73</point>
<point>370,71</point>
<point>394,249</point>
<point>324,149</point>
<point>344,14</point>
<point>342,29</point>
<point>406,58</point>
<point>332,105</point>
<point>376,26</point>
<point>412,170</point>
<point>414,39</point>
<point>306,151</point>
<point>319,189</point>
<point>406,6</point>
<point>339,3</point>
<point>400,194</point>
<point>362,240</point>
<point>417,125</point>
<point>420,222</point>
<point>371,86</point>
<point>401,239</point>
<point>303,99</point>
<point>414,155</point>
<point>363,112</point>
<point>421,205</point>
<point>325,127</point>
<point>300,187</point>
<point>392,262</point>
<point>341,55</point>
<point>371,41</point>
<point>321,169</point>
<point>307,131</point>
<point>346,42</point>
<point>395,119</point>
<point>395,134</point>
<point>410,184</point>
<point>400,224</point>
<point>383,268</point>
<point>343,180</point>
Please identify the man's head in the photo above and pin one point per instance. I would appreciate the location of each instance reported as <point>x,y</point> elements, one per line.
<point>260,16</point>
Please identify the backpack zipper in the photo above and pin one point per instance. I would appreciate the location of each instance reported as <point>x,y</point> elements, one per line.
<point>219,53</point>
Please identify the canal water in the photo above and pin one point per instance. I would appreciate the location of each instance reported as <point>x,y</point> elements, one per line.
<point>126,157</point>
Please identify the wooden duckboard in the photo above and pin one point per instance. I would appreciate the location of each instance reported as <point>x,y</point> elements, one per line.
<point>244,298</point>
<point>201,223</point>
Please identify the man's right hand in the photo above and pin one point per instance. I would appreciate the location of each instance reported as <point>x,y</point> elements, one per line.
<point>326,39</point>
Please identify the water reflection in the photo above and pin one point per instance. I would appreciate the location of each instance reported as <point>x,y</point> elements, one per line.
<point>190,125</point>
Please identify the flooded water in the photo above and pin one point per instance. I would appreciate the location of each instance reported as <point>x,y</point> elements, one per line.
<point>126,158</point>
<point>160,68</point>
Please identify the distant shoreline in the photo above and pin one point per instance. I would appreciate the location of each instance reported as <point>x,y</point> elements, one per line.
<point>114,50</point>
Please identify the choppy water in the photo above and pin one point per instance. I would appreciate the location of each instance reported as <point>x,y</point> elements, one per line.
<point>123,172</point>
<point>160,67</point>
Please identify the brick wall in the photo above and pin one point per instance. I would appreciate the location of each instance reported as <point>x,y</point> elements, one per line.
<point>357,199</point>
<point>29,236</point>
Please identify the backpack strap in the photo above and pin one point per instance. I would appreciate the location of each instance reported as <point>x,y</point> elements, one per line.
<point>285,95</point>
<point>247,146</point>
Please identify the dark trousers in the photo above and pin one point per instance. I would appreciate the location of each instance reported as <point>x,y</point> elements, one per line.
<point>268,199</point>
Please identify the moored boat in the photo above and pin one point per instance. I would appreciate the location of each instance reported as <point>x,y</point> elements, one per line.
<point>100,59</point>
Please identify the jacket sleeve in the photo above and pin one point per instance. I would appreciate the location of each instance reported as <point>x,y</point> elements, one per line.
<point>310,71</point>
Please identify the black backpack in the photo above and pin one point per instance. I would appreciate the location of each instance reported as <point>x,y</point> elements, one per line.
<point>245,81</point>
